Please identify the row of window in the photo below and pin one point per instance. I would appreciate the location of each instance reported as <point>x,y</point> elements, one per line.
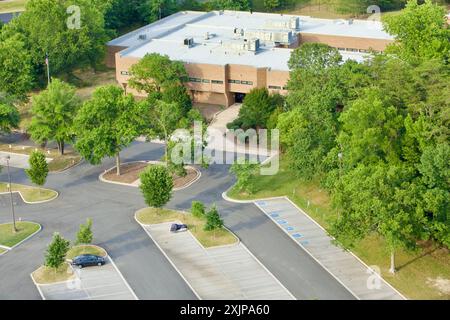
<point>353,50</point>
<point>277,87</point>
<point>198,80</point>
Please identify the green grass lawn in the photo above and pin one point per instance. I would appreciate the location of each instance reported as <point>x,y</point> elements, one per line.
<point>45,275</point>
<point>421,275</point>
<point>85,249</point>
<point>12,5</point>
<point>59,162</point>
<point>195,225</point>
<point>9,238</point>
<point>29,193</point>
<point>2,250</point>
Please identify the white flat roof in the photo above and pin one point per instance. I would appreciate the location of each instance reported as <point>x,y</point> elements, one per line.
<point>166,37</point>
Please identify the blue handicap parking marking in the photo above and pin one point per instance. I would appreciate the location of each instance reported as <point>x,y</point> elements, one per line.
<point>297,235</point>
<point>289,228</point>
<point>282,221</point>
<point>274,215</point>
<point>261,203</point>
<point>304,242</point>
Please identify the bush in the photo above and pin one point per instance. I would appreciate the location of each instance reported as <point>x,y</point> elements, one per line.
<point>213,220</point>
<point>198,209</point>
<point>244,173</point>
<point>85,235</point>
<point>156,185</point>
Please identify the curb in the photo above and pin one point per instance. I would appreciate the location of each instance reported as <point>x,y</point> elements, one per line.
<point>22,241</point>
<point>68,168</point>
<point>167,257</point>
<point>100,177</point>
<point>33,202</point>
<point>227,198</point>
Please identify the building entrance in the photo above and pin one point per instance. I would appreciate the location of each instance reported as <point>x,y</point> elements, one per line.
<point>239,97</point>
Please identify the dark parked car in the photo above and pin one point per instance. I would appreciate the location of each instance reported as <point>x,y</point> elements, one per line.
<point>175,227</point>
<point>86,260</point>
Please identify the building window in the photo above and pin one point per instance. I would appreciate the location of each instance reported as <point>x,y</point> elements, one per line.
<point>285,88</point>
<point>217,81</point>
<point>124,73</point>
<point>234,81</point>
<point>275,87</point>
<point>247,82</point>
<point>195,80</point>
<point>205,81</point>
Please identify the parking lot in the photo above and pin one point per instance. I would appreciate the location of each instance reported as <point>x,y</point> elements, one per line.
<point>226,272</point>
<point>91,283</point>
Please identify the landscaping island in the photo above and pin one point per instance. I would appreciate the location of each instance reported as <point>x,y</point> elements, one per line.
<point>25,229</point>
<point>130,174</point>
<point>30,194</point>
<point>46,275</point>
<point>57,164</point>
<point>195,225</point>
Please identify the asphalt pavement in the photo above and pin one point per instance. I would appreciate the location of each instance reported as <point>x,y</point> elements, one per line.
<point>145,268</point>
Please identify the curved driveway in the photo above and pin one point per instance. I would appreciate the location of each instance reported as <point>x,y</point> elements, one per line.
<point>147,271</point>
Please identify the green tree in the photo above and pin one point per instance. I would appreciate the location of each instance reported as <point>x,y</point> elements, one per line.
<point>244,171</point>
<point>155,72</point>
<point>152,10</point>
<point>377,198</point>
<point>53,111</point>
<point>213,220</point>
<point>106,124</point>
<point>256,109</point>
<point>198,209</point>
<point>314,58</point>
<point>45,28</point>
<point>156,185</point>
<point>163,119</point>
<point>421,32</point>
<point>56,251</point>
<point>38,168</point>
<point>9,116</point>
<point>85,235</point>
<point>16,71</point>
<point>177,93</point>
<point>237,5</point>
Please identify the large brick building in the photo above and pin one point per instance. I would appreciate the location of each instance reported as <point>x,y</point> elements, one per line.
<point>227,53</point>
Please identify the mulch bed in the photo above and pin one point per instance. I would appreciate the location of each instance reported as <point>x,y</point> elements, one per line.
<point>129,173</point>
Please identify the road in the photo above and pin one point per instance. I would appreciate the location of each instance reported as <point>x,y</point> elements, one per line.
<point>147,271</point>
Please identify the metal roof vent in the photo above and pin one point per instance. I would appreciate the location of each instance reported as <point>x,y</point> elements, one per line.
<point>142,36</point>
<point>188,42</point>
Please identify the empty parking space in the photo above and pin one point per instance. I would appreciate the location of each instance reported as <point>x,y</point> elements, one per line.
<point>91,283</point>
<point>228,272</point>
<point>344,266</point>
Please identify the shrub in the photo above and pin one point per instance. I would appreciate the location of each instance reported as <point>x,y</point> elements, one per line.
<point>198,209</point>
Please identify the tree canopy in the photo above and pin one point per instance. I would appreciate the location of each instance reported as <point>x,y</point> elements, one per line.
<point>421,32</point>
<point>107,123</point>
<point>54,110</point>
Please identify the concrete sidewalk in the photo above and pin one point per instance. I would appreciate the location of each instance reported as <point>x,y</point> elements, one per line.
<point>357,277</point>
<point>228,272</point>
<point>91,283</point>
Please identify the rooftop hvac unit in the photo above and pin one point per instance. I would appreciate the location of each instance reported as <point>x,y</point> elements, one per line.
<point>238,31</point>
<point>253,45</point>
<point>283,37</point>
<point>188,42</point>
<point>294,23</point>
<point>142,36</point>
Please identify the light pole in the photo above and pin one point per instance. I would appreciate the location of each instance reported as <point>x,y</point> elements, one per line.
<point>10,194</point>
